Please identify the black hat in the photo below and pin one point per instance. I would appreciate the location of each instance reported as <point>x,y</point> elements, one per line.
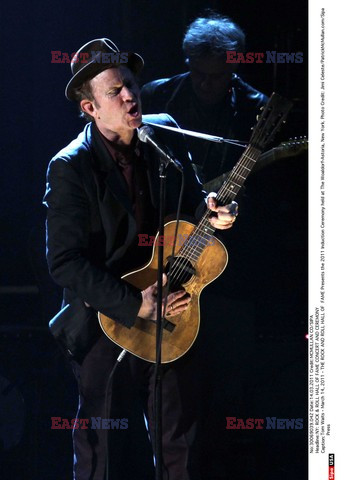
<point>94,57</point>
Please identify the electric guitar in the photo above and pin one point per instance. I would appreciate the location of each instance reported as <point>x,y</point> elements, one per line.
<point>285,149</point>
<point>199,260</point>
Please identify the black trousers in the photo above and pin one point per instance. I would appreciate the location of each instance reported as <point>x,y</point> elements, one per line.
<point>132,394</point>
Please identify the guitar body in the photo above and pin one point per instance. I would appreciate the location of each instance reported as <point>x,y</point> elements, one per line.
<point>180,331</point>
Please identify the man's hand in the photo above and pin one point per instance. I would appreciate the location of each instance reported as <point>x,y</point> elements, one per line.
<point>226,214</point>
<point>176,303</point>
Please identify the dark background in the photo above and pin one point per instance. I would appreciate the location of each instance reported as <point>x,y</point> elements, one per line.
<point>252,344</point>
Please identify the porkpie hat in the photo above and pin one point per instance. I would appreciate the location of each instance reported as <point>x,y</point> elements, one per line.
<point>95,57</point>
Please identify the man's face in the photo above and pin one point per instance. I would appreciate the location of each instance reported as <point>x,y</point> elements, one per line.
<point>211,78</point>
<point>117,105</point>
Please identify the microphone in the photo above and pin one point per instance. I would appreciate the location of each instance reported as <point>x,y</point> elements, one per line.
<point>146,135</point>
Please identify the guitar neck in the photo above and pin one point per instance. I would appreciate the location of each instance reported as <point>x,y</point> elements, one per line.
<point>238,175</point>
<point>212,185</point>
<point>203,232</point>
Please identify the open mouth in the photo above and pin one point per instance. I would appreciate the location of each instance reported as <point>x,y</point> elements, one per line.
<point>134,110</point>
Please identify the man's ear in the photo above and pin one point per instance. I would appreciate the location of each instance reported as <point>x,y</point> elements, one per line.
<point>88,107</point>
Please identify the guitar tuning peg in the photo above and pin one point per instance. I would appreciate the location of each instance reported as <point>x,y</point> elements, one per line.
<point>257,118</point>
<point>261,109</point>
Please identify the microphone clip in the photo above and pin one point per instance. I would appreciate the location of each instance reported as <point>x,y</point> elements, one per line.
<point>146,135</point>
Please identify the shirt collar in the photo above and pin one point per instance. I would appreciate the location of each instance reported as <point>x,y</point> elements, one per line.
<point>122,154</point>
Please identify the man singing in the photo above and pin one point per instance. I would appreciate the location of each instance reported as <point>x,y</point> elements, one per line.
<point>102,192</point>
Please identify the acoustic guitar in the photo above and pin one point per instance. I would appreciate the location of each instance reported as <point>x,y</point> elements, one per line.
<point>199,260</point>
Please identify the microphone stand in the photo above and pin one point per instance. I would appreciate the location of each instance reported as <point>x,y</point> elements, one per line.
<point>159,326</point>
<point>145,135</point>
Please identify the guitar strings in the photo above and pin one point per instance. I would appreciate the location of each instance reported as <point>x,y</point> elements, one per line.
<point>189,250</point>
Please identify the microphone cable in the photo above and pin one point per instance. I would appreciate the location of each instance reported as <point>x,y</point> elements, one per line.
<point>107,409</point>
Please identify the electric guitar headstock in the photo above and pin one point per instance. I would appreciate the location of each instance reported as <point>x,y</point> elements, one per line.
<point>293,146</point>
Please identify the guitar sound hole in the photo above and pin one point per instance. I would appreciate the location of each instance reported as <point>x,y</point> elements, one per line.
<point>182,271</point>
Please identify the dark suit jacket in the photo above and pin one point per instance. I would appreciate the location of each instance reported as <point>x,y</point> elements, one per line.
<point>90,222</point>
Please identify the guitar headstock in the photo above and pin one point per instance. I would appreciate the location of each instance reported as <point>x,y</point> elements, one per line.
<point>273,115</point>
<point>294,145</point>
